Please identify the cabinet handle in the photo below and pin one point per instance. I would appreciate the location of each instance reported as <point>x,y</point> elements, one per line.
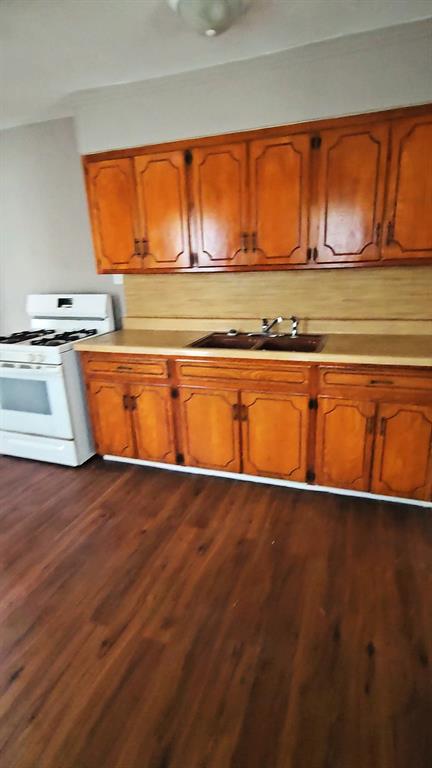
<point>132,401</point>
<point>144,251</point>
<point>137,244</point>
<point>314,254</point>
<point>382,426</point>
<point>370,424</point>
<point>254,241</point>
<point>381,382</point>
<point>377,233</point>
<point>126,402</point>
<point>243,413</point>
<point>244,241</point>
<point>124,368</point>
<point>390,232</point>
<point>235,411</point>
<point>308,254</point>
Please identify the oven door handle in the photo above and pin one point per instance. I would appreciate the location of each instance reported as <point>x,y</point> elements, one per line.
<point>8,371</point>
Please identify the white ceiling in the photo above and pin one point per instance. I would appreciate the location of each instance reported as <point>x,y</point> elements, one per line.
<point>50,49</point>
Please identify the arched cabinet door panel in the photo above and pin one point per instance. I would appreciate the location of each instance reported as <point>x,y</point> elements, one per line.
<point>112,424</point>
<point>408,222</point>
<point>219,195</point>
<point>351,184</point>
<point>113,212</point>
<point>344,443</point>
<point>279,193</point>
<point>274,434</point>
<point>210,428</point>
<point>403,451</point>
<point>163,209</point>
<point>153,423</point>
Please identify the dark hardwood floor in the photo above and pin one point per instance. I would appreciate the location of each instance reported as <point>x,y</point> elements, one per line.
<point>157,620</point>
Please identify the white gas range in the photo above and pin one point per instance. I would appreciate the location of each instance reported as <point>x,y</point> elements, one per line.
<point>43,413</point>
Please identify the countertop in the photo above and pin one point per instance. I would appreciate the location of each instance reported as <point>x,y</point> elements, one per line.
<point>338,348</point>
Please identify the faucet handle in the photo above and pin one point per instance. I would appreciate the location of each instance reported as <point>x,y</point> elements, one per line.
<point>294,328</point>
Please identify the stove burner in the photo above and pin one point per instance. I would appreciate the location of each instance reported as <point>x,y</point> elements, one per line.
<point>63,338</point>
<point>20,336</point>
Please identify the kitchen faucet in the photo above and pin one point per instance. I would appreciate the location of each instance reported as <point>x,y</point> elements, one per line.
<point>267,325</point>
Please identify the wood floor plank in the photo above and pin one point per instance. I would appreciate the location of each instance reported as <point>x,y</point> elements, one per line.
<point>156,620</point>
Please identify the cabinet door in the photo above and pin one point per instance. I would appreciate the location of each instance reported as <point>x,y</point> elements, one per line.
<point>344,443</point>
<point>113,213</point>
<point>403,451</point>
<point>350,193</point>
<point>408,224</point>
<point>112,423</point>
<point>211,434</point>
<point>153,423</point>
<point>219,188</point>
<point>279,194</point>
<point>274,434</point>
<point>162,199</point>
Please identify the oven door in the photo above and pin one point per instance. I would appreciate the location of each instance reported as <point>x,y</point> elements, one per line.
<point>33,400</point>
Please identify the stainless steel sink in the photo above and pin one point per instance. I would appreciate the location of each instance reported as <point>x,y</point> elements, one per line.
<point>283,342</point>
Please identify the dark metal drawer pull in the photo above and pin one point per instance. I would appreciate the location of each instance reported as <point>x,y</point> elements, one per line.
<point>124,368</point>
<point>383,382</point>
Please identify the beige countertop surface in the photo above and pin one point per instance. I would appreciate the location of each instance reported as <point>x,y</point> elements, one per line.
<point>338,348</point>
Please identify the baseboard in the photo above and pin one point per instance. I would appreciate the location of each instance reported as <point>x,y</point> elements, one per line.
<point>268,481</point>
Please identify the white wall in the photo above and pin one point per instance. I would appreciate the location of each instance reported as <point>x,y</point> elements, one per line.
<point>45,241</point>
<point>359,73</point>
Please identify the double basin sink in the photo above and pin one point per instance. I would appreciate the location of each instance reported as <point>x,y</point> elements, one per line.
<point>283,342</point>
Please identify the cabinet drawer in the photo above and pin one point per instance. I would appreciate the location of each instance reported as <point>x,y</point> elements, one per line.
<point>128,366</point>
<point>375,379</point>
<point>248,371</point>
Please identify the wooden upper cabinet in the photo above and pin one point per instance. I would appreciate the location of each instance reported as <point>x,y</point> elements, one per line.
<point>112,423</point>
<point>350,193</point>
<point>279,177</point>
<point>113,212</point>
<point>403,451</point>
<point>408,222</point>
<point>153,423</point>
<point>163,210</point>
<point>220,203</point>
<point>210,430</point>
<point>275,434</point>
<point>344,442</point>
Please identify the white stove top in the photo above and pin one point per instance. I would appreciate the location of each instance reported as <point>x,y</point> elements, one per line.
<point>46,347</point>
<point>56,323</point>
<point>41,346</point>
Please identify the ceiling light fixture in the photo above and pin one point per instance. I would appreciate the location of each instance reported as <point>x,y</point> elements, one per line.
<point>210,17</point>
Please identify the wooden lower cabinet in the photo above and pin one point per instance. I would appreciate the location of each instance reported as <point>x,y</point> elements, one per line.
<point>344,443</point>
<point>371,432</point>
<point>153,422</point>
<point>403,451</point>
<point>275,434</point>
<point>132,420</point>
<point>112,422</point>
<point>210,430</point>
